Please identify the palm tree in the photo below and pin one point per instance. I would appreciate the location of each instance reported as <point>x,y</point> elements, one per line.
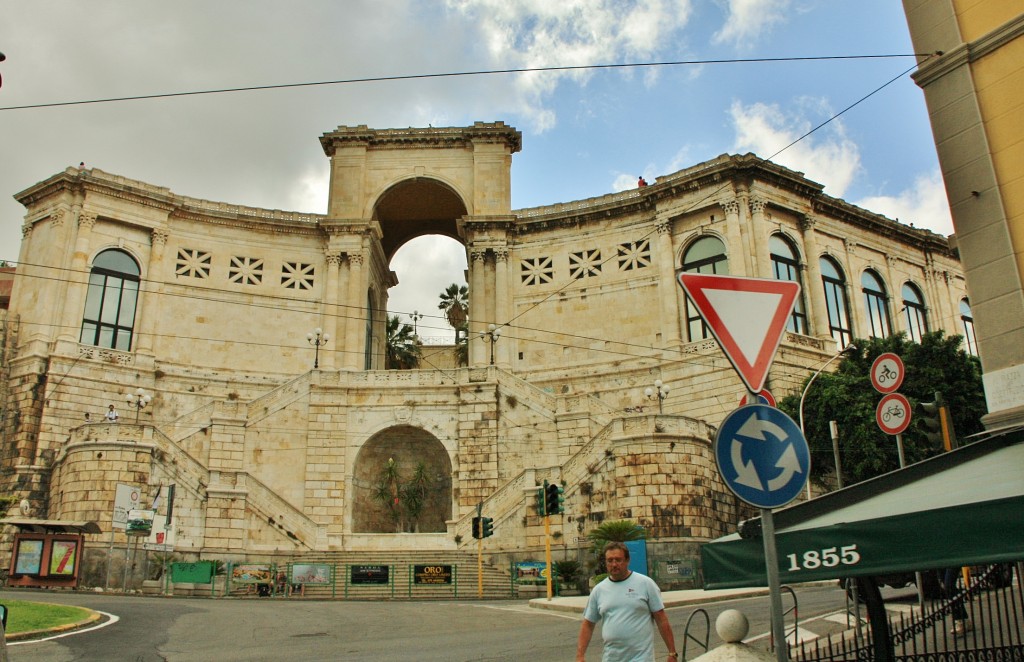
<point>415,493</point>
<point>387,491</point>
<point>403,348</point>
<point>455,304</point>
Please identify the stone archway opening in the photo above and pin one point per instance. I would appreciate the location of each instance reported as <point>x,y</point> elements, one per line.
<point>416,207</point>
<point>402,483</point>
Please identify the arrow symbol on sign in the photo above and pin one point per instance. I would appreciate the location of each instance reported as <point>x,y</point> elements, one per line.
<point>746,471</point>
<point>790,464</point>
<point>754,428</point>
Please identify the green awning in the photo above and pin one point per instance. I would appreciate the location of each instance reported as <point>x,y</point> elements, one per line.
<point>965,507</point>
<point>946,537</point>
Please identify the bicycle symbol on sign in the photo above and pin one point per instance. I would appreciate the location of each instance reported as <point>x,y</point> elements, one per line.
<point>892,412</point>
<point>886,375</point>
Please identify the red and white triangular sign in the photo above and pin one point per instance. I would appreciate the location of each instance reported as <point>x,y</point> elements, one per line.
<point>747,316</point>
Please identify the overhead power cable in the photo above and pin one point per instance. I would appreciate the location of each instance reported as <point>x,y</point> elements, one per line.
<point>457,74</point>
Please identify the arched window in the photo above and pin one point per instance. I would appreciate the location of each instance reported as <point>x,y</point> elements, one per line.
<point>913,309</point>
<point>876,304</point>
<point>835,300</point>
<point>786,266</point>
<point>109,318</point>
<point>704,256</point>
<point>970,340</point>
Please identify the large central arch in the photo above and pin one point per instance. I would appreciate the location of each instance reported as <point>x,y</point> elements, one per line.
<point>417,207</point>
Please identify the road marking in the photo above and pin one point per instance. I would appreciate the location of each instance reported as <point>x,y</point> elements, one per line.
<point>111,620</point>
<point>530,610</point>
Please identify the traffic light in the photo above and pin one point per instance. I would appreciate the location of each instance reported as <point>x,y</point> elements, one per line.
<point>487,526</point>
<point>554,499</point>
<point>936,422</point>
<point>541,496</point>
<point>478,527</point>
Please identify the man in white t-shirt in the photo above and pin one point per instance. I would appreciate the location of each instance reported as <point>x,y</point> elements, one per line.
<point>626,602</point>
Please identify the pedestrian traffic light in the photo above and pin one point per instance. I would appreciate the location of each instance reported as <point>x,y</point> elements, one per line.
<point>554,499</point>
<point>478,527</point>
<point>541,496</point>
<point>487,527</point>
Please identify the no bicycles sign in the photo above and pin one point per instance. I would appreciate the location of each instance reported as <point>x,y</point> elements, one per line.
<point>893,414</point>
<point>887,373</point>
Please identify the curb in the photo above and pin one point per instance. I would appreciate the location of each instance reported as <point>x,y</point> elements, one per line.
<point>32,634</point>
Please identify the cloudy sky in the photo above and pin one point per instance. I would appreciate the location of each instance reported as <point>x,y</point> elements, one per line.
<point>585,132</point>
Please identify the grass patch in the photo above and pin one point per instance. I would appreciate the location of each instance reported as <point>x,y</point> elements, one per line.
<point>24,616</point>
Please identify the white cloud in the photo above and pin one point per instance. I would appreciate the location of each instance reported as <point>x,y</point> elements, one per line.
<point>425,267</point>
<point>827,156</point>
<point>538,33</point>
<point>748,20</point>
<point>924,205</point>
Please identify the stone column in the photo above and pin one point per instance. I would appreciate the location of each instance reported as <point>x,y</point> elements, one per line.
<point>738,261</point>
<point>79,277</point>
<point>356,312</point>
<point>759,233</point>
<point>667,287</point>
<point>150,291</point>
<point>478,352</point>
<point>895,299</point>
<point>814,289</point>
<point>854,292</point>
<point>333,318</point>
<point>503,350</point>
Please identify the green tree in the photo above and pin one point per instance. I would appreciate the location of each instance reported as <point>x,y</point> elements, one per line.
<point>846,396</point>
<point>403,347</point>
<point>388,491</point>
<point>415,492</point>
<point>455,304</point>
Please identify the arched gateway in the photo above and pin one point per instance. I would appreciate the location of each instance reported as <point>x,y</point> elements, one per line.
<point>276,454</point>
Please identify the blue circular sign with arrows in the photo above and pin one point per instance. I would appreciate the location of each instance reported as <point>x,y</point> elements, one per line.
<point>762,456</point>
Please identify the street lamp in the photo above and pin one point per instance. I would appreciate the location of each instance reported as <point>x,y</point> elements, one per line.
<point>493,333</point>
<point>139,400</point>
<point>846,350</point>
<point>416,316</point>
<point>660,391</point>
<point>317,338</point>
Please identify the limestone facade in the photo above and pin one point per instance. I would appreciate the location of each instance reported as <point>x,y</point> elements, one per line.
<point>271,457</point>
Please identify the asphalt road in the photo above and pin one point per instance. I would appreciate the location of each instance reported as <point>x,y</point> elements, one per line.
<point>195,630</point>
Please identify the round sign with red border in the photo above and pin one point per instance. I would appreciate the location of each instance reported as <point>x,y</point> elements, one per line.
<point>887,373</point>
<point>893,413</point>
<point>764,397</point>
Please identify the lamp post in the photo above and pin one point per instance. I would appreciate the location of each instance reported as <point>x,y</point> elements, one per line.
<point>846,350</point>
<point>138,401</point>
<point>317,339</point>
<point>660,391</point>
<point>492,333</point>
<point>416,316</point>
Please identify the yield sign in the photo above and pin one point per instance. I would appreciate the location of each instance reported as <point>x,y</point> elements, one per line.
<point>747,316</point>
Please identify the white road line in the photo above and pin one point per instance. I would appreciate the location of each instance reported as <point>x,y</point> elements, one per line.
<point>111,620</point>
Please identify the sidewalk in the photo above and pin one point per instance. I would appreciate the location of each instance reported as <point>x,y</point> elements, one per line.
<point>576,603</point>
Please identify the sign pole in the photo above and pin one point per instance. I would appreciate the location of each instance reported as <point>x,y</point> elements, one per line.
<point>771,562</point>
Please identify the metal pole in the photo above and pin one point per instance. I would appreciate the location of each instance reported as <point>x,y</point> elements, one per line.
<point>771,562</point>
<point>547,549</point>
<point>899,448</point>
<point>833,427</point>
<point>480,552</point>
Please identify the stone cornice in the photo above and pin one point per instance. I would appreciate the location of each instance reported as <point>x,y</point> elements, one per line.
<point>940,64</point>
<point>431,137</point>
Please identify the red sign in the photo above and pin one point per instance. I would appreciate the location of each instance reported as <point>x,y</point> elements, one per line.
<point>887,373</point>
<point>893,413</point>
<point>746,315</point>
<point>765,397</point>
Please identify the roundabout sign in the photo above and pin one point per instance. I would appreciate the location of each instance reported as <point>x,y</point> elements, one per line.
<point>762,456</point>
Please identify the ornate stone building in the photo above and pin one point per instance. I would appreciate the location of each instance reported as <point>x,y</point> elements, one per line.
<point>124,285</point>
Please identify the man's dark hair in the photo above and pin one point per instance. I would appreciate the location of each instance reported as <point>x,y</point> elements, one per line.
<point>615,544</point>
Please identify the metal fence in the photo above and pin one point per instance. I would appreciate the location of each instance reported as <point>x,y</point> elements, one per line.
<point>993,630</point>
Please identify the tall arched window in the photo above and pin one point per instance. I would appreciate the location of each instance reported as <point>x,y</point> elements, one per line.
<point>970,340</point>
<point>913,309</point>
<point>704,256</point>
<point>109,318</point>
<point>876,304</point>
<point>786,266</point>
<point>836,302</point>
